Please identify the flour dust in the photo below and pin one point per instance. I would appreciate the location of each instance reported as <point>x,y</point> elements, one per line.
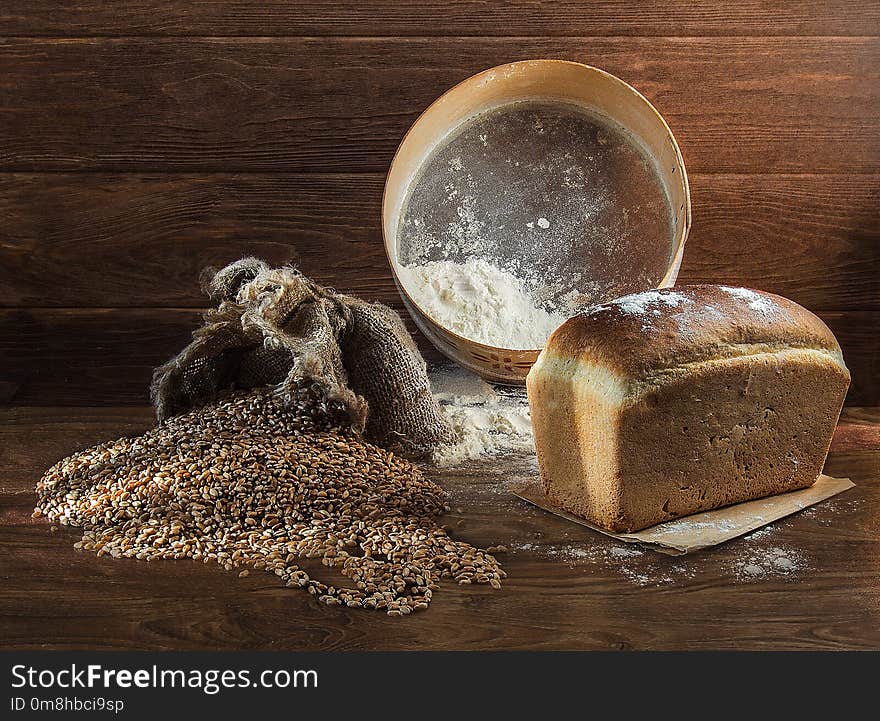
<point>488,420</point>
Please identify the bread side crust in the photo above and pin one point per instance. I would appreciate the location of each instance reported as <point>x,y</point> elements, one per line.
<point>726,431</point>
<point>627,454</point>
<point>575,409</point>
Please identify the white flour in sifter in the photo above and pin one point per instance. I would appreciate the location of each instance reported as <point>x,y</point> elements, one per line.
<point>481,302</point>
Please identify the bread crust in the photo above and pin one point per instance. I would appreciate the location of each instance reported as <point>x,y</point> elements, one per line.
<point>723,395</point>
<point>645,332</point>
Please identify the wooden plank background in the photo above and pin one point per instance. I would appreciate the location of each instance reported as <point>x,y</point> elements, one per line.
<point>431,18</point>
<point>140,141</point>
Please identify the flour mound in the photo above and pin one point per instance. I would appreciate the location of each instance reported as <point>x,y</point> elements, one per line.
<point>487,420</point>
<point>481,302</point>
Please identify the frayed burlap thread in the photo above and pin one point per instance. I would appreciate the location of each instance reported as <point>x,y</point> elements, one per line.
<point>274,327</point>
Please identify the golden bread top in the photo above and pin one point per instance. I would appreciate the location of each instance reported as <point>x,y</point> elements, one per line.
<point>640,334</point>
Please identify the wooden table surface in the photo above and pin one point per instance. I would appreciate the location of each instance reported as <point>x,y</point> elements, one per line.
<point>567,588</point>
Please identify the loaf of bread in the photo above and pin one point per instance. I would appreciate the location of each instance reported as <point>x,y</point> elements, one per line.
<point>670,402</point>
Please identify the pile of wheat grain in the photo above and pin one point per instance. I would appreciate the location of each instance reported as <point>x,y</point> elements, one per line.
<point>253,482</point>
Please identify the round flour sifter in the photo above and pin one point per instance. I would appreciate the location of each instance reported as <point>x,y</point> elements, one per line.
<point>522,194</point>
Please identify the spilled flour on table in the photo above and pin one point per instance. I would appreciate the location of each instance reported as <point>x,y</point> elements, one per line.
<point>639,567</point>
<point>760,533</point>
<point>487,420</point>
<point>749,559</point>
<point>763,563</point>
<point>827,513</point>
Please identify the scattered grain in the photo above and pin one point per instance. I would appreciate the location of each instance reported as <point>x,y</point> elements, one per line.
<point>260,481</point>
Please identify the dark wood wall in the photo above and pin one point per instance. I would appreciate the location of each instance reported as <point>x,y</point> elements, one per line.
<point>141,141</point>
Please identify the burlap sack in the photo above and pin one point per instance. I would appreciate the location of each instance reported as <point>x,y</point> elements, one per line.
<point>275,327</point>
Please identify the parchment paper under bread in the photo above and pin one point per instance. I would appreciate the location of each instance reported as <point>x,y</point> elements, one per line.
<point>703,530</point>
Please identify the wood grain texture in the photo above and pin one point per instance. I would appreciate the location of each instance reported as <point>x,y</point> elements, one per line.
<point>455,17</point>
<point>856,433</point>
<point>41,436</point>
<point>87,357</point>
<point>97,356</point>
<point>141,240</point>
<point>814,239</point>
<point>84,356</point>
<point>53,597</point>
<point>336,104</point>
